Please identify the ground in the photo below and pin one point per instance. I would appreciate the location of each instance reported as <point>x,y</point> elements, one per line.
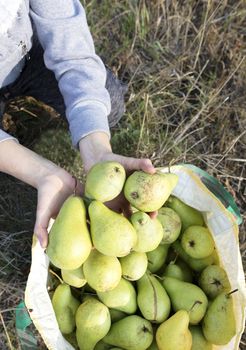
<point>184,63</point>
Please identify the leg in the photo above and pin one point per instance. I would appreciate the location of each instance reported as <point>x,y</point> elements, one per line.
<point>40,83</point>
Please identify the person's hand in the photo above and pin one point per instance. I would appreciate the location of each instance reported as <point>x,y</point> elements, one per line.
<point>53,190</point>
<point>53,183</point>
<point>96,148</point>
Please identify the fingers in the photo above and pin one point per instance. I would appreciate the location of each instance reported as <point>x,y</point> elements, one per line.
<point>131,164</point>
<point>147,166</point>
<point>78,187</point>
<point>41,225</point>
<point>153,214</point>
<point>42,236</point>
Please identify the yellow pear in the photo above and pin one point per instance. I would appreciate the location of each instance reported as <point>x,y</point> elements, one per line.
<point>148,192</point>
<point>123,297</point>
<point>132,333</point>
<point>71,338</point>
<point>186,296</point>
<point>74,278</point>
<point>157,257</point>
<point>92,322</point>
<point>149,232</point>
<point>65,306</point>
<point>102,272</point>
<point>171,224</point>
<point>116,315</point>
<point>213,280</point>
<point>105,181</point>
<point>152,299</point>
<point>174,334</point>
<point>134,265</point>
<point>112,234</point>
<point>199,342</point>
<point>69,239</point>
<point>189,216</point>
<point>219,323</point>
<point>197,242</point>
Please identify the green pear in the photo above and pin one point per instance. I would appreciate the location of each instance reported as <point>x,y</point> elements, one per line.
<point>213,280</point>
<point>152,299</point>
<point>148,192</point>
<point>105,181</point>
<point>178,270</point>
<point>65,307</point>
<point>186,296</point>
<point>89,296</point>
<point>195,264</point>
<point>74,278</point>
<point>71,338</point>
<point>134,265</point>
<point>69,239</point>
<point>199,342</point>
<point>112,234</point>
<point>189,216</point>
<point>171,224</point>
<point>219,324</point>
<point>102,346</point>
<point>52,282</point>
<point>92,322</point>
<point>149,232</point>
<point>102,272</point>
<point>153,346</point>
<point>131,333</point>
<point>123,297</point>
<point>157,257</point>
<point>197,242</point>
<point>199,264</point>
<point>174,334</point>
<point>116,315</point>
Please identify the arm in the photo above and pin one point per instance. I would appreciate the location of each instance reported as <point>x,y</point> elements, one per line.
<point>69,52</point>
<point>53,183</point>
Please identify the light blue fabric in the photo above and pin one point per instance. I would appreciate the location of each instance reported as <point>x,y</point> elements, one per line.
<point>69,52</point>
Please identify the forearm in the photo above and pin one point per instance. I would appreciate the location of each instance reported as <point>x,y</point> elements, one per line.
<point>24,164</point>
<point>93,148</point>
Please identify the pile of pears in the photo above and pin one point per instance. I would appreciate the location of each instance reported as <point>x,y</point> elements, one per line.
<point>140,281</point>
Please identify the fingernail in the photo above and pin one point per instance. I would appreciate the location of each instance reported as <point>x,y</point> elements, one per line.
<point>42,242</point>
<point>151,170</point>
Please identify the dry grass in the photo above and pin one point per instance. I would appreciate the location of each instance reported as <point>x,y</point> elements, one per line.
<point>186,69</point>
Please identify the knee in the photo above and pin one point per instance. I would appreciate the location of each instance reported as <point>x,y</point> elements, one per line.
<point>117,90</point>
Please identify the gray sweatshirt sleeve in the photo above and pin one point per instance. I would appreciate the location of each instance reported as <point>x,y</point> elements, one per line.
<point>4,136</point>
<point>69,52</point>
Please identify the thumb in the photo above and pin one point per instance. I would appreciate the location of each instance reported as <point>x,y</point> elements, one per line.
<point>153,214</point>
<point>40,228</point>
<point>131,164</point>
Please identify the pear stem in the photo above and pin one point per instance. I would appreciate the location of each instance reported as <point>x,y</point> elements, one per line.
<point>55,274</point>
<point>175,259</point>
<point>196,302</point>
<point>89,293</point>
<point>158,277</point>
<point>233,291</point>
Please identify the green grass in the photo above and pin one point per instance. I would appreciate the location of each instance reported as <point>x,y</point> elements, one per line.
<point>185,66</point>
